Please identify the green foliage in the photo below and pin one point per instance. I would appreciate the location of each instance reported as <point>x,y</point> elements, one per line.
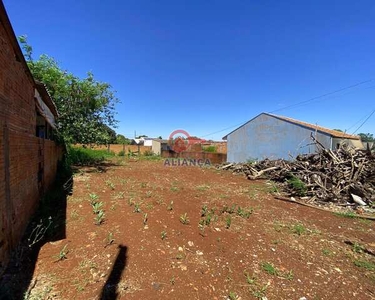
<point>211,149</point>
<point>272,270</point>
<point>86,156</point>
<point>170,206</point>
<point>228,222</point>
<point>110,239</point>
<point>148,153</point>
<point>358,247</point>
<point>298,229</point>
<point>86,106</point>
<point>137,208</point>
<point>121,139</point>
<point>63,253</point>
<point>297,185</point>
<point>365,264</point>
<point>349,214</point>
<point>121,153</point>
<point>96,207</point>
<point>93,198</point>
<point>184,219</point>
<point>366,137</point>
<point>99,217</point>
<point>232,296</point>
<point>269,268</point>
<point>204,211</point>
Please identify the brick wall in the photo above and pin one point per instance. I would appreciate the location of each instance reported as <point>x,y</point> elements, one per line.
<point>116,148</point>
<point>21,152</point>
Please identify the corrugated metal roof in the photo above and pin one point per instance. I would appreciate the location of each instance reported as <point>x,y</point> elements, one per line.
<point>331,132</point>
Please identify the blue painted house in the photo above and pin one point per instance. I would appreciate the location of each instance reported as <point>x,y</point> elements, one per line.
<point>273,137</point>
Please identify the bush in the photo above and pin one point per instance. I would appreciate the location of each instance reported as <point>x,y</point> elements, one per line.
<point>148,153</point>
<point>121,153</point>
<point>211,149</point>
<point>86,156</point>
<point>297,185</point>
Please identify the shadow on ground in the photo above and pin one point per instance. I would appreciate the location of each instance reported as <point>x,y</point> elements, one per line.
<point>47,225</point>
<point>110,289</point>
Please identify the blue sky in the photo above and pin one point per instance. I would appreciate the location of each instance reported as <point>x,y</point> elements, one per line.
<point>207,66</point>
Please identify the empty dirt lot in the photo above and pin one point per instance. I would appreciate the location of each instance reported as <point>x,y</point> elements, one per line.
<point>198,233</point>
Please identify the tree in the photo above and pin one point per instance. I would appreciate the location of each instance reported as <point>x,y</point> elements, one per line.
<point>366,137</point>
<point>86,106</point>
<point>121,139</point>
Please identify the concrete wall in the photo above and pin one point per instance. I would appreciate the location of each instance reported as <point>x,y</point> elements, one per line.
<point>156,147</point>
<point>269,137</point>
<point>27,163</point>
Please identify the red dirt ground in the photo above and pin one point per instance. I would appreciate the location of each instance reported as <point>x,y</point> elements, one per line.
<point>282,251</point>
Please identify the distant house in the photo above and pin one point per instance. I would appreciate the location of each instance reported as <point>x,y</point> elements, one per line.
<point>159,145</point>
<point>273,137</point>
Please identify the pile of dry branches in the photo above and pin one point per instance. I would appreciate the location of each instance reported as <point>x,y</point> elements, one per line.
<point>345,176</point>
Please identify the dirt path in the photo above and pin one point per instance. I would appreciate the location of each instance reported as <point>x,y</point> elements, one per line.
<point>243,245</point>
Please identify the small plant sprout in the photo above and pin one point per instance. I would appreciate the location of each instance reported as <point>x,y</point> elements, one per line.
<point>99,217</point>
<point>249,279</point>
<point>201,225</point>
<point>110,184</point>
<point>96,207</point>
<point>228,222</point>
<point>63,253</point>
<point>110,239</point>
<point>358,248</point>
<point>131,202</point>
<point>148,194</point>
<point>145,218</point>
<point>326,252</point>
<point>184,219</point>
<point>269,268</point>
<point>204,211</point>
<point>207,220</point>
<point>172,281</point>
<point>120,195</point>
<point>272,270</point>
<point>232,296</point>
<point>93,197</point>
<point>170,206</point>
<point>299,229</point>
<point>163,235</point>
<point>244,213</point>
<point>137,208</point>
<point>174,188</point>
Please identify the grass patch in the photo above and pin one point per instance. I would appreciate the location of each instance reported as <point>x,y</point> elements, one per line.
<point>327,252</point>
<point>364,264</point>
<point>86,156</point>
<point>272,270</point>
<point>349,214</point>
<point>298,229</point>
